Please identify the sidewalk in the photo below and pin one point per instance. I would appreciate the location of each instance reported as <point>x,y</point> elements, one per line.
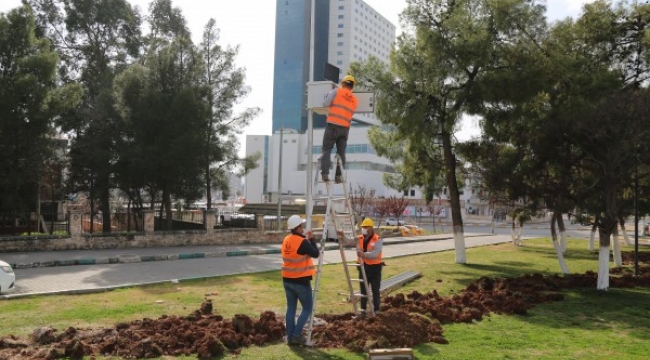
<point>27,260</point>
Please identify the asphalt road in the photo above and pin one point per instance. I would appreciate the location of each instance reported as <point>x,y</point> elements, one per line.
<point>100,277</point>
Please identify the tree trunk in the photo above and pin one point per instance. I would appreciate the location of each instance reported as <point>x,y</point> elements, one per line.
<point>605,230</point>
<point>512,232</point>
<point>106,209</point>
<point>208,188</point>
<point>521,233</point>
<point>626,238</point>
<point>562,229</point>
<point>616,248</point>
<point>454,199</point>
<point>592,235</point>
<point>558,250</point>
<point>167,204</point>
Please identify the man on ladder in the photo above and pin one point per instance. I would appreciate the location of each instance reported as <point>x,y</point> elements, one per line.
<point>369,254</point>
<point>342,103</point>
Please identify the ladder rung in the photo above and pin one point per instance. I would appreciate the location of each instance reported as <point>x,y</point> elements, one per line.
<point>356,264</point>
<point>359,280</point>
<point>356,295</point>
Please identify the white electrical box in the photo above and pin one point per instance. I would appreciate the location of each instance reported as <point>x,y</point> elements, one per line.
<point>316,93</point>
<point>318,90</point>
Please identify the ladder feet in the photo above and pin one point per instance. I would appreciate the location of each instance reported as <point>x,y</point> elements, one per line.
<point>338,179</point>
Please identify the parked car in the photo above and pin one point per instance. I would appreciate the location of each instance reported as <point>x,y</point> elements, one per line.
<point>413,229</point>
<point>394,222</point>
<point>7,277</point>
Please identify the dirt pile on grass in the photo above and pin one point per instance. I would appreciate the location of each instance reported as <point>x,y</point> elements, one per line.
<point>404,321</point>
<point>200,333</point>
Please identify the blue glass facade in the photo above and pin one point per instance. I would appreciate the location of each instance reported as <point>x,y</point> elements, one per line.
<point>291,60</point>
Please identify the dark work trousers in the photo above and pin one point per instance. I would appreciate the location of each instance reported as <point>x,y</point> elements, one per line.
<point>338,135</point>
<point>373,275</point>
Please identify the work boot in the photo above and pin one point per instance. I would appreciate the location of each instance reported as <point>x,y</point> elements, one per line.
<point>326,178</point>
<point>297,340</point>
<point>338,179</point>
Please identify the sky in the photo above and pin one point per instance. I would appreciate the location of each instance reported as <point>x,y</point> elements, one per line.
<point>250,24</point>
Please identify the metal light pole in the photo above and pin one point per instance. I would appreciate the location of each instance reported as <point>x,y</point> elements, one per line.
<point>310,120</point>
<point>280,177</point>
<point>636,213</point>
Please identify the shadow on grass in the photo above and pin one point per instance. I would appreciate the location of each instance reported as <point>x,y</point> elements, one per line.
<point>622,310</point>
<point>305,352</point>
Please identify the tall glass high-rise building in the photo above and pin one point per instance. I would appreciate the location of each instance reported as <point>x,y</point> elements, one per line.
<point>345,31</point>
<point>291,60</point>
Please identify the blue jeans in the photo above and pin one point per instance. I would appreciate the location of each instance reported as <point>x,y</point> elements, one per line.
<point>297,292</point>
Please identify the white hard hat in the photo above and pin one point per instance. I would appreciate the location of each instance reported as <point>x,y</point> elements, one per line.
<point>294,221</point>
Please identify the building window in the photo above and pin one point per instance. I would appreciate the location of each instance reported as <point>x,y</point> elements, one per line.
<point>340,26</point>
<point>412,192</point>
<point>341,7</point>
<point>406,193</point>
<point>340,43</point>
<point>339,53</point>
<point>339,35</point>
<point>339,62</point>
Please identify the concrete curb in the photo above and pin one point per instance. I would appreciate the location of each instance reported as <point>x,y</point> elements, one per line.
<point>132,258</point>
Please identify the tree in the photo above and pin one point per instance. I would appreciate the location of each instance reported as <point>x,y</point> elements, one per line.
<point>361,200</point>
<point>30,101</point>
<point>225,86</point>
<point>396,206</point>
<point>96,40</point>
<point>572,135</point>
<point>433,80</point>
<point>164,114</point>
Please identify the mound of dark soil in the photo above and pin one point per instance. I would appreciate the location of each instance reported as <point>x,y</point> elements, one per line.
<point>404,321</point>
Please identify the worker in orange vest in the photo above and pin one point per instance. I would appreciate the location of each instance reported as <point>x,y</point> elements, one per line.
<point>341,103</point>
<point>297,270</point>
<point>369,249</point>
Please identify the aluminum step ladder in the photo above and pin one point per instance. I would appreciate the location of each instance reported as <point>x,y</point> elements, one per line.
<point>335,222</point>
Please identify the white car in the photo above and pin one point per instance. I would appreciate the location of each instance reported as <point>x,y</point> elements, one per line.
<point>7,277</point>
<point>394,222</point>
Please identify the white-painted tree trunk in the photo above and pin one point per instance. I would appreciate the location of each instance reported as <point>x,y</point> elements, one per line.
<point>616,248</point>
<point>560,258</point>
<point>459,243</point>
<point>520,235</point>
<point>563,240</point>
<point>603,268</point>
<point>592,236</point>
<point>513,236</point>
<point>626,238</point>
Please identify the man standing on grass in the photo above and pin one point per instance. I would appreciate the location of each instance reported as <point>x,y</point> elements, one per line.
<point>297,270</point>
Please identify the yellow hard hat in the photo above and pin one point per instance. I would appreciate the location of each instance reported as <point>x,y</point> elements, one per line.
<point>349,78</point>
<point>368,222</point>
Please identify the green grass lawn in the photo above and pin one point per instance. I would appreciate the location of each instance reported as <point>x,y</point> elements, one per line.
<point>588,324</point>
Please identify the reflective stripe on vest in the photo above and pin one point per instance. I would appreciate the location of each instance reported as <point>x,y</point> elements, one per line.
<point>371,247</point>
<point>293,264</point>
<point>342,108</point>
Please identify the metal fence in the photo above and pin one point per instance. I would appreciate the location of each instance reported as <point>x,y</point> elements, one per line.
<point>32,223</point>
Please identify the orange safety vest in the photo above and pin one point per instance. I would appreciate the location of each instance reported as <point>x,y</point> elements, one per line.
<point>295,265</point>
<point>371,246</point>
<point>342,108</point>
